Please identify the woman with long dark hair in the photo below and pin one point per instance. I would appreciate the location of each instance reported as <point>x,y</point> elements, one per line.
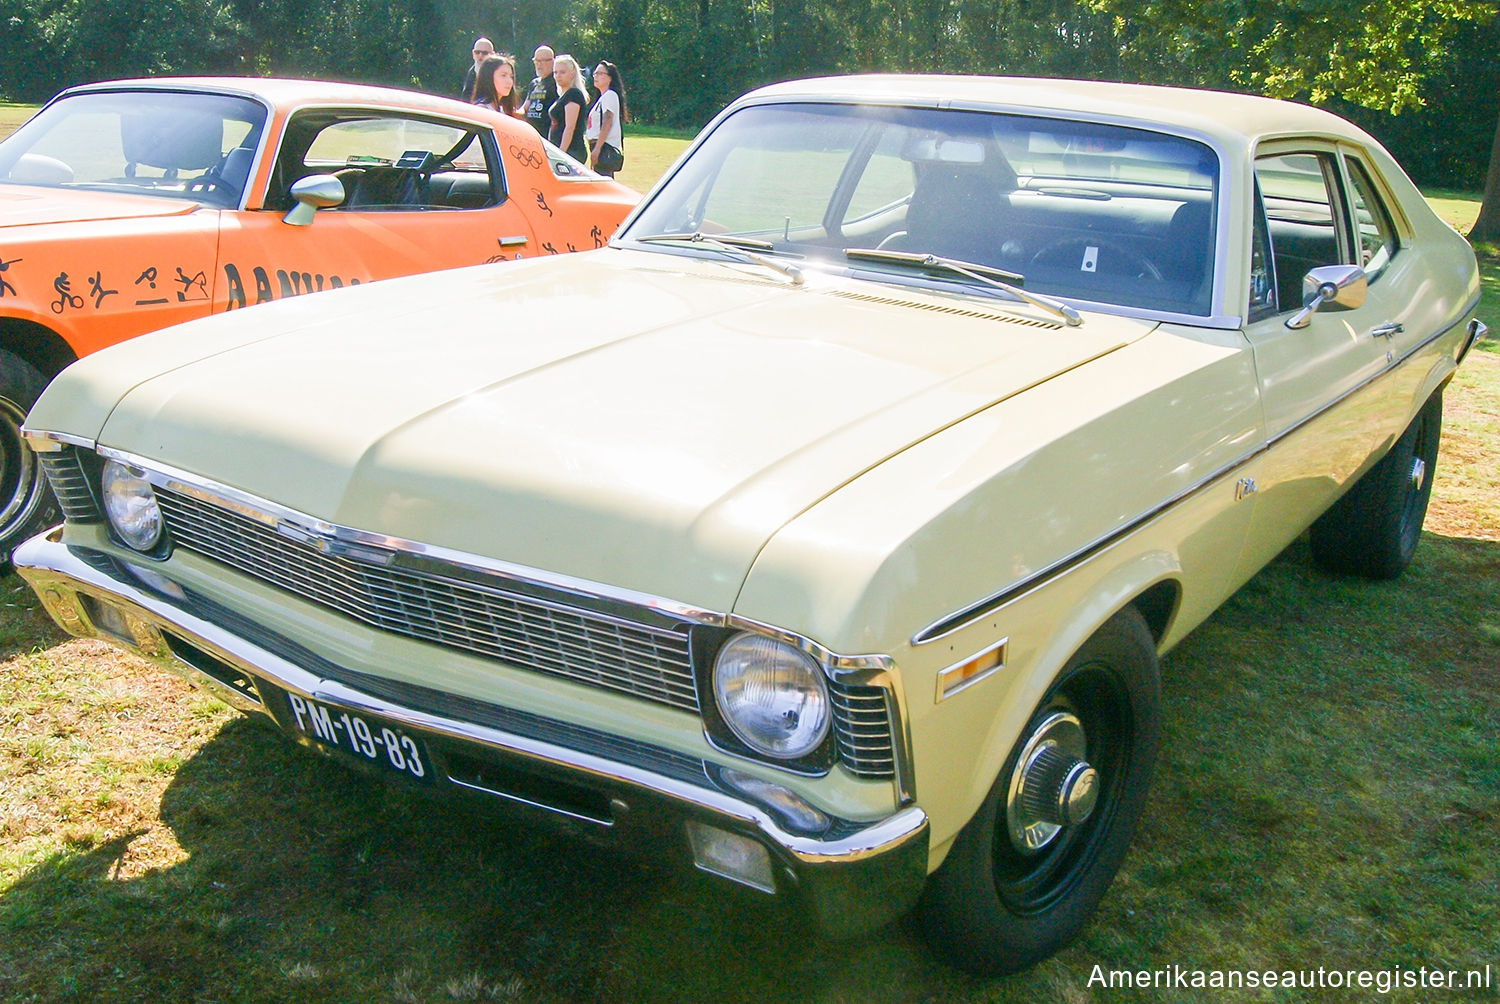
<point>495,85</point>
<point>606,139</point>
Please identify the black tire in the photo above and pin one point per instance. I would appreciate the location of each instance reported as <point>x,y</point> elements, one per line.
<point>1374,529</point>
<point>993,909</point>
<point>26,503</point>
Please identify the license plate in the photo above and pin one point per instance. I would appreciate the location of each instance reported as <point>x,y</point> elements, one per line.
<point>366,738</point>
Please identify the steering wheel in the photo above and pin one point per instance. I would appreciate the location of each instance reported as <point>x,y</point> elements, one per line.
<point>1109,257</point>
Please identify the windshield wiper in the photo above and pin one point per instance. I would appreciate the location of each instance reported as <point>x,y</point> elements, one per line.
<point>996,277</point>
<point>744,248</point>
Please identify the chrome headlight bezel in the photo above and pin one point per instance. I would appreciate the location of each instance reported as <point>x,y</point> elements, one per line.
<point>130,507</point>
<point>772,697</point>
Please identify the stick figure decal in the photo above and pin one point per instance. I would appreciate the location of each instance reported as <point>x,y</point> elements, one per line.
<point>65,295</point>
<point>5,286</point>
<point>541,201</point>
<point>196,285</point>
<point>149,278</point>
<point>97,290</point>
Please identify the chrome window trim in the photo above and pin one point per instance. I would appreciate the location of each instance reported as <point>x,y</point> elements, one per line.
<point>958,620</point>
<point>1216,318</point>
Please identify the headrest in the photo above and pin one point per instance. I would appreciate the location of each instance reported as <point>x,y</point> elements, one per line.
<point>189,141</point>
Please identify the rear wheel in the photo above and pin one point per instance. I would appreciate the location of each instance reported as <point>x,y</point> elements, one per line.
<point>26,503</point>
<point>1028,870</point>
<point>1374,529</point>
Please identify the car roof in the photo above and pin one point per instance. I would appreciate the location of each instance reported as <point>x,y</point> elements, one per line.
<point>1234,118</point>
<point>283,92</point>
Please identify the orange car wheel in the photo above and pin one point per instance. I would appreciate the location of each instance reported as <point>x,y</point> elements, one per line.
<point>26,503</point>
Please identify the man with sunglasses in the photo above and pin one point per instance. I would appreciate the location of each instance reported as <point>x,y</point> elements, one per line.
<point>483,49</point>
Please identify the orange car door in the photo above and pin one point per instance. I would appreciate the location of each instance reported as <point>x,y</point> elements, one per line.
<point>419,195</point>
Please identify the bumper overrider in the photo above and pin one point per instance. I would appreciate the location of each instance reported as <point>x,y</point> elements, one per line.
<point>848,876</point>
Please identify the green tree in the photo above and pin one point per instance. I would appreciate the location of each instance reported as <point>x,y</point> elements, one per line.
<point>1379,54</point>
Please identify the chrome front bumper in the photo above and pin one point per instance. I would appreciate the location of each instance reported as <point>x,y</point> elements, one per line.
<point>849,876</point>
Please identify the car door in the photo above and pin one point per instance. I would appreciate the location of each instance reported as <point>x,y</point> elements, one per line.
<point>1401,285</point>
<point>1321,397</point>
<point>420,194</point>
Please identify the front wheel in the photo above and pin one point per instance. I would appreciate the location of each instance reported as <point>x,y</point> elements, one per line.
<point>26,503</point>
<point>1028,870</point>
<point>1374,529</point>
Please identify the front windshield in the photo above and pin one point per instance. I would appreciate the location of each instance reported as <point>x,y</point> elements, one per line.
<point>164,143</point>
<point>1082,210</point>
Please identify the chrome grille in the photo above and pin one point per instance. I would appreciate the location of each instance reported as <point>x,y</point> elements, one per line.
<point>520,630</point>
<point>862,730</point>
<point>71,484</point>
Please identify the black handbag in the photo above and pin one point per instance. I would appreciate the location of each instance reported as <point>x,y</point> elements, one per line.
<point>609,159</point>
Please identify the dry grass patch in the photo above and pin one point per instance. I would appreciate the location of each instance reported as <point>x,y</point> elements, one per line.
<point>1469,505</point>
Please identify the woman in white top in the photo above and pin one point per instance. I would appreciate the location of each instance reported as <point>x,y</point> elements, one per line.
<point>605,118</point>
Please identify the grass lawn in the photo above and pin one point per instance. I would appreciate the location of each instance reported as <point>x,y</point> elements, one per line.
<point>13,115</point>
<point>1328,796</point>
<point>647,157</point>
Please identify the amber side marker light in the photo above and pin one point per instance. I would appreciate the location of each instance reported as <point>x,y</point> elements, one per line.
<point>962,675</point>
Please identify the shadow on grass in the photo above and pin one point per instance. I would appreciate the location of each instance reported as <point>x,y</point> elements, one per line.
<point>1328,795</point>
<point>24,625</point>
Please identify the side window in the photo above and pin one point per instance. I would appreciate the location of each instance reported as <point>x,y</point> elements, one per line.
<point>396,163</point>
<point>755,176</point>
<point>1262,272</point>
<point>1300,193</point>
<point>1375,235</point>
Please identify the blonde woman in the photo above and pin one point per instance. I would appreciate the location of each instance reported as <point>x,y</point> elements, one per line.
<point>568,111</point>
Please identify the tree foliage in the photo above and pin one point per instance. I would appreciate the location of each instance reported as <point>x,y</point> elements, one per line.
<point>1420,74</point>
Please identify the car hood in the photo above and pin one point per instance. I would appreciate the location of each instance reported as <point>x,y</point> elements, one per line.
<point>652,434</point>
<point>27,205</point>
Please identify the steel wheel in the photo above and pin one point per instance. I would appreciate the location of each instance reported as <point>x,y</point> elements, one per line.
<point>1064,789</point>
<point>1027,871</point>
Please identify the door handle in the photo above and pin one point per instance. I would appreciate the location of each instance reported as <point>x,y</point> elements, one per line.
<point>511,242</point>
<point>1388,329</point>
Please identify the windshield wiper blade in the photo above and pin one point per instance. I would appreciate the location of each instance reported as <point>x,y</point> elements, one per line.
<point>744,248</point>
<point>996,277</point>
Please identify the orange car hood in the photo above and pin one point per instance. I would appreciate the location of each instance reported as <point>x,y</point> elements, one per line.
<point>27,205</point>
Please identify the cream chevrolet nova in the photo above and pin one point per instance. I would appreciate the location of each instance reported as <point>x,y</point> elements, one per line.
<point>825,530</point>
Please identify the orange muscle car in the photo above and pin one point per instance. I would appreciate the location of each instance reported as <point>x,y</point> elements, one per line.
<point>131,205</point>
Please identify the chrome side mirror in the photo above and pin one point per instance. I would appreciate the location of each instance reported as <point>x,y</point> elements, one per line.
<point>1330,287</point>
<point>314,192</point>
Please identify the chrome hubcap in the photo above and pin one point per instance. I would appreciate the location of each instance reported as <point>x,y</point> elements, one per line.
<point>1053,786</point>
<point>1418,473</point>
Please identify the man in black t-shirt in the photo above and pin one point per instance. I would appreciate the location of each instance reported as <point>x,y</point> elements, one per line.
<point>543,90</point>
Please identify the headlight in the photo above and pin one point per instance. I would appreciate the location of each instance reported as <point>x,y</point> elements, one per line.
<point>131,506</point>
<point>772,696</point>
